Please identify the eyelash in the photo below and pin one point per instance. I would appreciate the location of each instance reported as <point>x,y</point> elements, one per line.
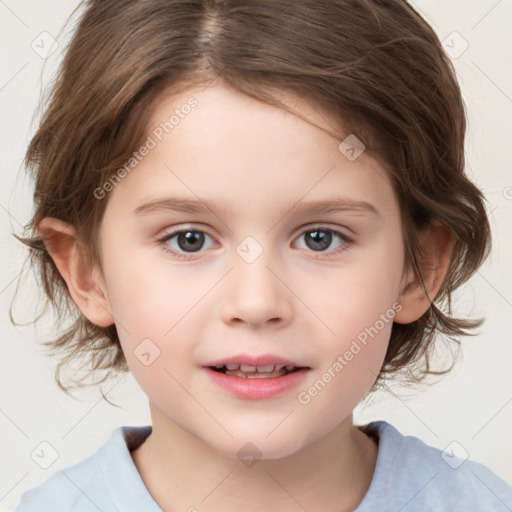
<point>347,242</point>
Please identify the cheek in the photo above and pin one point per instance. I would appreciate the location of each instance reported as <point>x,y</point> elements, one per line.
<point>357,296</point>
<point>149,295</point>
<point>357,305</point>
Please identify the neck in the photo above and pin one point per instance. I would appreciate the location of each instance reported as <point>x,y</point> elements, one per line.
<point>181,472</point>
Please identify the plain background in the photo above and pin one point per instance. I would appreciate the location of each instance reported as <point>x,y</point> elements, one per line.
<point>469,411</point>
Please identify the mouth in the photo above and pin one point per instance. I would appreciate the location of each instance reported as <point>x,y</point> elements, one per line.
<point>256,376</point>
<point>255,372</point>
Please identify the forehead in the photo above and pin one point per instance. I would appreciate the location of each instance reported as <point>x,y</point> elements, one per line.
<point>216,143</point>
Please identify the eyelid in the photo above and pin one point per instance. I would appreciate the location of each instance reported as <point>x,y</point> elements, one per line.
<point>309,226</point>
<point>190,226</point>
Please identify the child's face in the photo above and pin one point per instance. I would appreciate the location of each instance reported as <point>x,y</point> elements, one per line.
<point>306,298</point>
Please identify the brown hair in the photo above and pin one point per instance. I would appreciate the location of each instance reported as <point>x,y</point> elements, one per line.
<point>375,65</point>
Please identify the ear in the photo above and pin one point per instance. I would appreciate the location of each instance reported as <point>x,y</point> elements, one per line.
<point>85,284</point>
<point>436,244</point>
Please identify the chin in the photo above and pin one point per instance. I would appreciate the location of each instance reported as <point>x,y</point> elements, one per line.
<point>254,445</point>
<point>270,437</point>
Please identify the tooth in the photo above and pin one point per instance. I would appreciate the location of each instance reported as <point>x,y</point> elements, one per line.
<point>247,368</point>
<point>219,366</point>
<point>279,366</point>
<point>256,375</point>
<point>263,369</point>
<point>232,366</point>
<point>290,367</point>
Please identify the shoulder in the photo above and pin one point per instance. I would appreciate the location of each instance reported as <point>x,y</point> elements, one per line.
<point>66,489</point>
<point>417,476</point>
<point>91,484</point>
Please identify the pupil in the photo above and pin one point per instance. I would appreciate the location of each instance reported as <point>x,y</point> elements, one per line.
<point>191,237</point>
<point>318,240</point>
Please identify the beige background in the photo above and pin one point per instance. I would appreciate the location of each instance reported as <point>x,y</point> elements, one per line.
<point>472,406</point>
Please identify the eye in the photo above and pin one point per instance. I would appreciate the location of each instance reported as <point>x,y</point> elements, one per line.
<point>319,239</point>
<point>187,241</point>
<point>182,244</point>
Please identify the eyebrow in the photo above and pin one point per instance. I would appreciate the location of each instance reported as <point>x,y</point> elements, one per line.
<point>338,204</point>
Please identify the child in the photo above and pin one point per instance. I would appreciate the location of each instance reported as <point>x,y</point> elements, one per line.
<point>259,131</point>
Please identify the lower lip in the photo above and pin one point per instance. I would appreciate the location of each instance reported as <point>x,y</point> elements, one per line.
<point>257,388</point>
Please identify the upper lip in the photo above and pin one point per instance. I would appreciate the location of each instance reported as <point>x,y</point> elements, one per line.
<point>255,360</point>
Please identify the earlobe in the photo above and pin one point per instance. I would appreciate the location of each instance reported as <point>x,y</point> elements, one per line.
<point>85,283</point>
<point>436,249</point>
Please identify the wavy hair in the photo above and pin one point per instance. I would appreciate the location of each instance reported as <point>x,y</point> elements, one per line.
<point>375,65</point>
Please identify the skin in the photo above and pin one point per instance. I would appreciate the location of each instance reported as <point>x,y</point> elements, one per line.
<point>299,303</point>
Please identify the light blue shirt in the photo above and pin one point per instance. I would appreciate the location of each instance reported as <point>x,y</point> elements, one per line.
<point>410,476</point>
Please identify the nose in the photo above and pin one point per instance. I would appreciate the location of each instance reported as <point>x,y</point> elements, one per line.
<point>255,293</point>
